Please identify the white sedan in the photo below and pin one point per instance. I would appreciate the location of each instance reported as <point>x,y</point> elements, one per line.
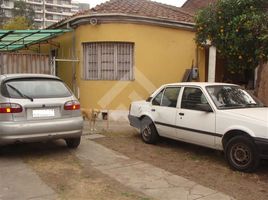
<point>215,115</point>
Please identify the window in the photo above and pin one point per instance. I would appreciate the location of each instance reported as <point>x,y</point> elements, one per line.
<point>35,88</point>
<point>157,100</point>
<point>230,97</point>
<point>168,98</point>
<point>108,61</point>
<point>192,98</point>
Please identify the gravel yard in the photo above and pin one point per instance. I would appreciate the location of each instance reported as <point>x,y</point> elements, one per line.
<point>62,171</point>
<point>204,166</point>
<point>71,178</point>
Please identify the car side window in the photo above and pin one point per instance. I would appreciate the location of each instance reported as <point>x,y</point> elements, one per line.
<point>192,98</point>
<point>170,97</point>
<point>158,98</point>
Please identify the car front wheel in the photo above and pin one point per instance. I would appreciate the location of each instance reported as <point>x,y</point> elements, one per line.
<point>73,143</point>
<point>148,131</point>
<point>241,154</point>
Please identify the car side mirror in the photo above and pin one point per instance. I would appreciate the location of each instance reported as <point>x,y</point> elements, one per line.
<point>204,107</point>
<point>149,99</point>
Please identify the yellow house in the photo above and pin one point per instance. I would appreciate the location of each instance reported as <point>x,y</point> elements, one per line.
<point>122,50</point>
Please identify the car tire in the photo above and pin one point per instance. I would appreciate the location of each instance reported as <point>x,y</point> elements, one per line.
<point>148,131</point>
<point>73,143</point>
<point>242,154</point>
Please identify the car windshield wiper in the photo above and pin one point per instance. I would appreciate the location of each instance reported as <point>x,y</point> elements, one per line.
<point>231,106</point>
<point>21,94</point>
<point>252,105</point>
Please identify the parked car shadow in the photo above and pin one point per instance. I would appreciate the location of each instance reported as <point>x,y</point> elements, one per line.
<point>33,149</point>
<point>196,152</point>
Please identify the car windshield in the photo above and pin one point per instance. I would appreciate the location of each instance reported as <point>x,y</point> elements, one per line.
<point>35,88</point>
<point>232,97</point>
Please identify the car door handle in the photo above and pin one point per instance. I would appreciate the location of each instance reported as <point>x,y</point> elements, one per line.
<point>181,114</point>
<point>153,110</point>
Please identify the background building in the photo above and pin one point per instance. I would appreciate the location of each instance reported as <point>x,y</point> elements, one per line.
<point>47,12</point>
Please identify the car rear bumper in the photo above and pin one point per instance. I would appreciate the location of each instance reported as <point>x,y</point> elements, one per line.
<point>30,131</point>
<point>134,121</point>
<point>262,145</point>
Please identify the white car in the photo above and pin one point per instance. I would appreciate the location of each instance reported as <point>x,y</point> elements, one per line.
<point>215,115</point>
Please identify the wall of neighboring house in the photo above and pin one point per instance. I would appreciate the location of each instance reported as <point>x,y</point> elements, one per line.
<point>161,55</point>
<point>262,87</point>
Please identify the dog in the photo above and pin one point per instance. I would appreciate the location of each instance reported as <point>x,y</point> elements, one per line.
<point>91,115</point>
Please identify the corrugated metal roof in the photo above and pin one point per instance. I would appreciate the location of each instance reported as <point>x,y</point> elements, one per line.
<point>11,40</point>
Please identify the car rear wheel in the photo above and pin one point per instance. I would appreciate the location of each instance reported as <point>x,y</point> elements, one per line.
<point>73,143</point>
<point>148,131</point>
<point>241,154</point>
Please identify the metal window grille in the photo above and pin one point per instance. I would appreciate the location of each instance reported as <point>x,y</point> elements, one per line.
<point>108,61</point>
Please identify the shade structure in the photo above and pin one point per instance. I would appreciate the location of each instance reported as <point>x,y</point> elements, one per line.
<point>11,40</point>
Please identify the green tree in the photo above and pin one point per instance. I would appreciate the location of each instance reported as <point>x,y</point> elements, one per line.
<point>23,10</point>
<point>238,29</point>
<point>17,23</point>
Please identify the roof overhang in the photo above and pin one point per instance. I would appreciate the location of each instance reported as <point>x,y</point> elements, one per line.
<point>12,40</point>
<point>122,18</point>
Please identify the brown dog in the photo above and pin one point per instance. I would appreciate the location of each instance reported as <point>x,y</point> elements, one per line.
<point>91,115</point>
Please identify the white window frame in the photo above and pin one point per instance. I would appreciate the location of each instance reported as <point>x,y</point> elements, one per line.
<point>106,60</point>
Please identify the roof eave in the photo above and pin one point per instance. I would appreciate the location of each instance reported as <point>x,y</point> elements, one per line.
<point>119,17</point>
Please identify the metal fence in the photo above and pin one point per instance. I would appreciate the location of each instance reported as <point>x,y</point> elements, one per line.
<point>25,63</point>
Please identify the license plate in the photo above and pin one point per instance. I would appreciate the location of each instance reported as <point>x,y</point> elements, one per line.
<point>44,113</point>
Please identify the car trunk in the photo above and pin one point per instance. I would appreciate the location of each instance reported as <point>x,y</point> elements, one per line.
<point>42,109</point>
<point>36,99</point>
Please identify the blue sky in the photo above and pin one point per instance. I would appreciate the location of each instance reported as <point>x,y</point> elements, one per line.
<point>93,3</point>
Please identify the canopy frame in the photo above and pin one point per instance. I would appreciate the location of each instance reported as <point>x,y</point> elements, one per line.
<point>13,40</point>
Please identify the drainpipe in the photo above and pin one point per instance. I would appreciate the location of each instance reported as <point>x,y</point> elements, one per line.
<point>73,54</point>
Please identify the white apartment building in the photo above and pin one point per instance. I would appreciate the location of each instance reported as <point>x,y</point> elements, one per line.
<point>47,12</point>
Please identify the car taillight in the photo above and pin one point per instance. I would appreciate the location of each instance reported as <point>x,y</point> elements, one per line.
<point>10,108</point>
<point>72,105</point>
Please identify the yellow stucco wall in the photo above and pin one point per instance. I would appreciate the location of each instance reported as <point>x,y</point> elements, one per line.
<point>161,55</point>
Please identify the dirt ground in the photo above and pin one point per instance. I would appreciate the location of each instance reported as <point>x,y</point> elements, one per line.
<point>204,166</point>
<point>60,169</point>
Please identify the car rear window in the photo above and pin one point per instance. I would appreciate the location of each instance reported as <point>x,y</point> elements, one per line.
<point>35,88</point>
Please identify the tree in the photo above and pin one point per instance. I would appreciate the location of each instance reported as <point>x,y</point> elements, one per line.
<point>17,23</point>
<point>238,29</point>
<point>23,10</point>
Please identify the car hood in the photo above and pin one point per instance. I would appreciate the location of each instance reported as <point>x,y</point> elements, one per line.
<point>260,114</point>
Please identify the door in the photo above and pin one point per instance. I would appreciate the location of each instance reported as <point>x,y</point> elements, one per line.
<point>164,110</point>
<point>195,125</point>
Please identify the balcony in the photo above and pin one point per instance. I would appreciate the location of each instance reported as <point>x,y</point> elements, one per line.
<point>52,20</point>
<point>6,6</point>
<point>38,19</point>
<point>38,11</point>
<point>62,5</point>
<point>58,12</point>
<point>35,2</point>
